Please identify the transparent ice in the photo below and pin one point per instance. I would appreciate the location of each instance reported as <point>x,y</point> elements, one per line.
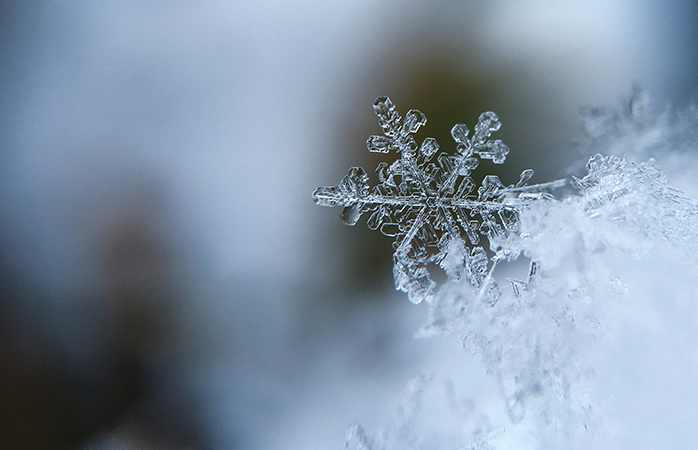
<point>430,205</point>
<point>597,346</point>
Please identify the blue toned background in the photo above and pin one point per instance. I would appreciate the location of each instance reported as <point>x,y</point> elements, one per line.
<point>166,280</point>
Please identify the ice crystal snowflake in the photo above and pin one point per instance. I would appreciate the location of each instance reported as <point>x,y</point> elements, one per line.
<point>431,207</point>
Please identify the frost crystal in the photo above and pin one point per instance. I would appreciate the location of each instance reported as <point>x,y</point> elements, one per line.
<point>430,205</point>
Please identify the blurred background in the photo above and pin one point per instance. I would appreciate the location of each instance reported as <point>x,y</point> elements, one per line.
<point>165,278</point>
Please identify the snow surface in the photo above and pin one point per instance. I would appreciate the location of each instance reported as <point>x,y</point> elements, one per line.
<point>597,348</point>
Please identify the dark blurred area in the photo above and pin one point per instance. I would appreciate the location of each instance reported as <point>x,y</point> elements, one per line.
<point>74,369</point>
<point>166,281</point>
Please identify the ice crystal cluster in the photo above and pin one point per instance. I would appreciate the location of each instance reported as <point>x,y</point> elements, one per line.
<point>430,206</point>
<point>597,347</point>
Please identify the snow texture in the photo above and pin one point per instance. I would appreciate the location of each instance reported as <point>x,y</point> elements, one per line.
<point>596,348</point>
<point>429,205</point>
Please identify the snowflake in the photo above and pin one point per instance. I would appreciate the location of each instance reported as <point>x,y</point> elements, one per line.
<point>430,207</point>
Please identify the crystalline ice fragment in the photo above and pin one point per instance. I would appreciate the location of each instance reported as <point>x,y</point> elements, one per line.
<point>494,150</point>
<point>350,214</point>
<point>355,183</point>
<point>490,187</point>
<point>509,218</point>
<point>375,220</point>
<point>465,188</point>
<point>413,278</point>
<point>327,196</point>
<point>467,165</point>
<point>429,148</point>
<point>388,118</point>
<point>414,119</point>
<point>379,144</point>
<point>460,133</point>
<point>486,125</point>
<point>525,176</point>
<point>470,226</point>
<point>446,163</point>
<point>390,229</point>
<point>409,145</point>
<point>383,106</point>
